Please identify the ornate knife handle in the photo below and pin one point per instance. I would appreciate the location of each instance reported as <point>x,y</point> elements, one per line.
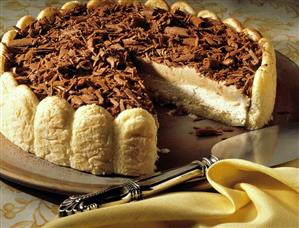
<point>135,190</point>
<point>109,196</point>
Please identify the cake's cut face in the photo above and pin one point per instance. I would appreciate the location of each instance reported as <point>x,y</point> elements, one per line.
<point>94,68</point>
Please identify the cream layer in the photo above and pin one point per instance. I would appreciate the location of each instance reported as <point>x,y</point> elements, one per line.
<point>197,93</point>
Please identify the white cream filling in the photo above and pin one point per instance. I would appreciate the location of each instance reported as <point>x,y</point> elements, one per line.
<point>237,108</point>
<point>195,89</point>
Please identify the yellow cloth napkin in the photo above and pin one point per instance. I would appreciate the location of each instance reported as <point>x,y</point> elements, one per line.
<point>248,195</point>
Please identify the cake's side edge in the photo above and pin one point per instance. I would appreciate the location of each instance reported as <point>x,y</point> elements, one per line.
<point>18,102</point>
<point>264,82</point>
<point>53,130</point>
<point>260,109</point>
<point>58,133</point>
<point>17,109</point>
<point>136,144</point>
<point>263,88</point>
<point>92,143</point>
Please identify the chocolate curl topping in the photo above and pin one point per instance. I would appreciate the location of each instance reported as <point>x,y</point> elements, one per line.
<point>88,56</point>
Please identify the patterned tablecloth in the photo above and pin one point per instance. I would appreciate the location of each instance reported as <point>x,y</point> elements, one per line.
<point>276,19</point>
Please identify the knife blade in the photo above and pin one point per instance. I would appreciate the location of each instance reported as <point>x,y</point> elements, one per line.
<point>268,146</point>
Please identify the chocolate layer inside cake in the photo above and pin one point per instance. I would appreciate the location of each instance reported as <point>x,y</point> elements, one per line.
<point>89,56</point>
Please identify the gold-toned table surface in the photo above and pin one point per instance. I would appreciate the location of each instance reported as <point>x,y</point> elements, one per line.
<point>276,19</point>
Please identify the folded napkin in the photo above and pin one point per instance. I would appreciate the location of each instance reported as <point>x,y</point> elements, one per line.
<point>248,195</point>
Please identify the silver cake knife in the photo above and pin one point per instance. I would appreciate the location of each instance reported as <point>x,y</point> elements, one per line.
<point>269,146</point>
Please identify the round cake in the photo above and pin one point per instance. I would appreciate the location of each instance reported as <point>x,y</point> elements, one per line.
<point>78,82</point>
